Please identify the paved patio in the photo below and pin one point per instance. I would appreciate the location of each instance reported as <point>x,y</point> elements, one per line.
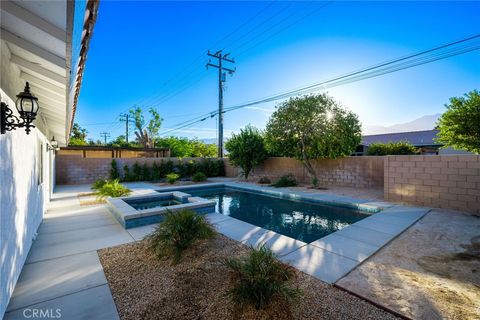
<point>63,271</point>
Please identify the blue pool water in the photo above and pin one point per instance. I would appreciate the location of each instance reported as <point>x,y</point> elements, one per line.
<point>303,221</point>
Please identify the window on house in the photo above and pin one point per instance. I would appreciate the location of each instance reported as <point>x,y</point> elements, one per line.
<point>39,163</point>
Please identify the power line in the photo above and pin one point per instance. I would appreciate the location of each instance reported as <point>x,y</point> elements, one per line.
<point>161,97</point>
<point>405,62</point>
<point>311,13</point>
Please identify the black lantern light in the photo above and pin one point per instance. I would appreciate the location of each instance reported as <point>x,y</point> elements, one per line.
<point>27,106</point>
<point>53,145</point>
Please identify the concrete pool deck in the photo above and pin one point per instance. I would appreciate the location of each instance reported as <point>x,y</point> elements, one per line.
<point>63,270</point>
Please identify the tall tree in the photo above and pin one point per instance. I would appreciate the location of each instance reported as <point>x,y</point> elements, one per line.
<point>78,135</point>
<point>246,149</point>
<point>312,127</point>
<point>459,126</point>
<point>146,134</point>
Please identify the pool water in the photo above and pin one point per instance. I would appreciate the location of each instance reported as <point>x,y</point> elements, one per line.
<point>303,221</point>
<point>149,203</point>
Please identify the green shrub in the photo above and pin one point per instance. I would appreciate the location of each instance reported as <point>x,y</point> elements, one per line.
<point>258,278</point>
<point>172,177</point>
<point>114,174</point>
<point>211,167</point>
<point>98,184</point>
<point>167,167</point>
<point>199,177</point>
<point>264,180</point>
<point>178,232</point>
<point>219,168</point>
<point>136,172</point>
<point>146,172</point>
<point>285,181</point>
<point>315,182</point>
<point>126,173</point>
<point>112,188</point>
<point>190,168</point>
<point>391,148</point>
<point>156,171</point>
<point>247,149</point>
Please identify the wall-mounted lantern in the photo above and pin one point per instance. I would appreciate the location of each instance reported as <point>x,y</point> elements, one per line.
<point>53,145</point>
<point>27,106</point>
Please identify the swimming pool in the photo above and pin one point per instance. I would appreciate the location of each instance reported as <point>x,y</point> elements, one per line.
<point>300,220</point>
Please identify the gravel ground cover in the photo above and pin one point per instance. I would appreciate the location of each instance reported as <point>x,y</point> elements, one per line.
<point>145,288</point>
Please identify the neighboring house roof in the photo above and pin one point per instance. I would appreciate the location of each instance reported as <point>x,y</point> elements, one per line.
<point>416,138</point>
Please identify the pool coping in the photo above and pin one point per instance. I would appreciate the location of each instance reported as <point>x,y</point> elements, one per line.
<point>329,258</point>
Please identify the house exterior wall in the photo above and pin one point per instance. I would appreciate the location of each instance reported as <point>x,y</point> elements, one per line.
<point>348,171</point>
<point>450,181</point>
<point>25,188</point>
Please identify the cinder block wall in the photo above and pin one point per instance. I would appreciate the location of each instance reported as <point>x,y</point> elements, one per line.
<point>78,170</point>
<point>348,171</point>
<point>450,181</point>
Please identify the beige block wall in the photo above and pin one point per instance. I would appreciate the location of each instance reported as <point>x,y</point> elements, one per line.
<point>78,170</point>
<point>348,171</point>
<point>449,181</point>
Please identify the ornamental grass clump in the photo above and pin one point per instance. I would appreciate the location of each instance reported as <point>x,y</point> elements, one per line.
<point>258,278</point>
<point>172,177</point>
<point>178,232</point>
<point>98,184</point>
<point>112,188</point>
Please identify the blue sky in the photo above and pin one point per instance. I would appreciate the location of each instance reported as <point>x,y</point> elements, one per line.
<point>153,54</point>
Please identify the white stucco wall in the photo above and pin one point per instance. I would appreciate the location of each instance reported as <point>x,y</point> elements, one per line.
<point>22,199</point>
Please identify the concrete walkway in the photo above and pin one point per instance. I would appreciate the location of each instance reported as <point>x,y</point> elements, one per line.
<point>63,275</point>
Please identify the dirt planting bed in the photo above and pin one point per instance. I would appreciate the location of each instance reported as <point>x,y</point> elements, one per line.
<point>145,288</point>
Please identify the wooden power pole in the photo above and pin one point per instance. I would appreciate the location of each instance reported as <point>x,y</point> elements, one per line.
<point>221,79</point>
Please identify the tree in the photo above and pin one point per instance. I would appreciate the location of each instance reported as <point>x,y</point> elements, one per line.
<point>459,126</point>
<point>391,148</point>
<point>120,141</point>
<point>312,127</point>
<point>145,136</point>
<point>246,149</point>
<point>78,135</point>
<point>184,147</point>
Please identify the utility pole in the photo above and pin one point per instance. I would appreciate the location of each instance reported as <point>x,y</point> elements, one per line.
<point>125,117</point>
<point>105,135</point>
<point>221,79</point>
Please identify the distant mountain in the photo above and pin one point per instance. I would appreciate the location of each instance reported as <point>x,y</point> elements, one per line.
<point>423,123</point>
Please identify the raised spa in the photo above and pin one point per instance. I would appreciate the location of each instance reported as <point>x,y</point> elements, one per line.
<point>136,211</point>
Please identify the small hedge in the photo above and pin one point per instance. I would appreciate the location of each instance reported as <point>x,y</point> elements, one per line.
<point>159,170</point>
<point>199,177</point>
<point>391,148</point>
<point>285,181</point>
<point>264,180</point>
